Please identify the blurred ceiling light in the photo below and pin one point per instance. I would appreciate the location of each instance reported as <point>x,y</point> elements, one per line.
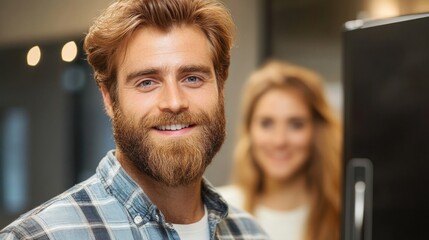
<point>33,56</point>
<point>384,8</point>
<point>69,51</point>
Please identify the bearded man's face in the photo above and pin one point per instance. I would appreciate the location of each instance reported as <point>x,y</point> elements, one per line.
<point>168,112</point>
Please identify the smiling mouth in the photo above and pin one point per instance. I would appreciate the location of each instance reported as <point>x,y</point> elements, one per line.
<point>280,156</point>
<point>172,127</point>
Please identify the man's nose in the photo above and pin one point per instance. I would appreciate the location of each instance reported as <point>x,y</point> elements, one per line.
<point>173,99</point>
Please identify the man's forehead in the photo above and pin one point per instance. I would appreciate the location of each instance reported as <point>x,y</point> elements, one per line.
<point>151,48</point>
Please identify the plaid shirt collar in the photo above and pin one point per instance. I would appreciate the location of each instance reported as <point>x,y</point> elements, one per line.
<point>118,183</point>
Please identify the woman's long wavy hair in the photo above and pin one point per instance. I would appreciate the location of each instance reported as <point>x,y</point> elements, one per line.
<point>323,173</point>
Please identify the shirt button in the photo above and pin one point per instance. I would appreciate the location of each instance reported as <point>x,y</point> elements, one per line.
<point>157,217</point>
<point>138,219</point>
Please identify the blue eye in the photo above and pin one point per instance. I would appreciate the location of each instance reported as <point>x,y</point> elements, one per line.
<point>192,79</point>
<point>146,83</point>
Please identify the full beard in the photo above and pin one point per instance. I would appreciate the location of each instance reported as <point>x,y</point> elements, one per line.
<point>176,161</point>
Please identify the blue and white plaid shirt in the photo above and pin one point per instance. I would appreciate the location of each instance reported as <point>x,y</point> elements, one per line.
<point>110,205</point>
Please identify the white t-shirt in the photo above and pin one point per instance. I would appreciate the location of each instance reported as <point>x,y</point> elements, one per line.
<point>194,231</point>
<point>279,225</point>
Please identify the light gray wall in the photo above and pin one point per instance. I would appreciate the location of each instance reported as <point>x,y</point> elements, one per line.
<point>24,22</point>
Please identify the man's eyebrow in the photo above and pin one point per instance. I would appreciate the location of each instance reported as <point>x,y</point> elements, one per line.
<point>195,68</point>
<point>143,72</point>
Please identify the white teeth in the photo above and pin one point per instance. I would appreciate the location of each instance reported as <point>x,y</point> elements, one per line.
<point>172,127</point>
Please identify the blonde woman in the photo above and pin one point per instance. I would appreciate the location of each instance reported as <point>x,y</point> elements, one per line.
<point>287,160</point>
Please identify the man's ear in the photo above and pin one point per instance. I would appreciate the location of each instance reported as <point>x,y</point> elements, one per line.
<point>107,100</point>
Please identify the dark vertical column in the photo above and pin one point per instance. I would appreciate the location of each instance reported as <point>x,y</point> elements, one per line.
<point>266,30</point>
<point>74,81</point>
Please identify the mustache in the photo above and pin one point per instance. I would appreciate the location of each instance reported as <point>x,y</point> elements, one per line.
<point>167,118</point>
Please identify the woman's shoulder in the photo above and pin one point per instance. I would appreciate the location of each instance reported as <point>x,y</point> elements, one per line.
<point>232,194</point>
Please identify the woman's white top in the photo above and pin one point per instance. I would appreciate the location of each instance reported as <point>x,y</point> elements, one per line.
<point>194,231</point>
<point>279,225</point>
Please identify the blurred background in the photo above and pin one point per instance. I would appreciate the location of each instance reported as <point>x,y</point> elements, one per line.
<point>53,130</point>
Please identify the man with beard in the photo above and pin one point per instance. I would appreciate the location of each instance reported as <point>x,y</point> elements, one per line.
<point>161,67</point>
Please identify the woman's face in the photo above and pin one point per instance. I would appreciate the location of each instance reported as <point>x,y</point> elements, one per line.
<point>281,133</point>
